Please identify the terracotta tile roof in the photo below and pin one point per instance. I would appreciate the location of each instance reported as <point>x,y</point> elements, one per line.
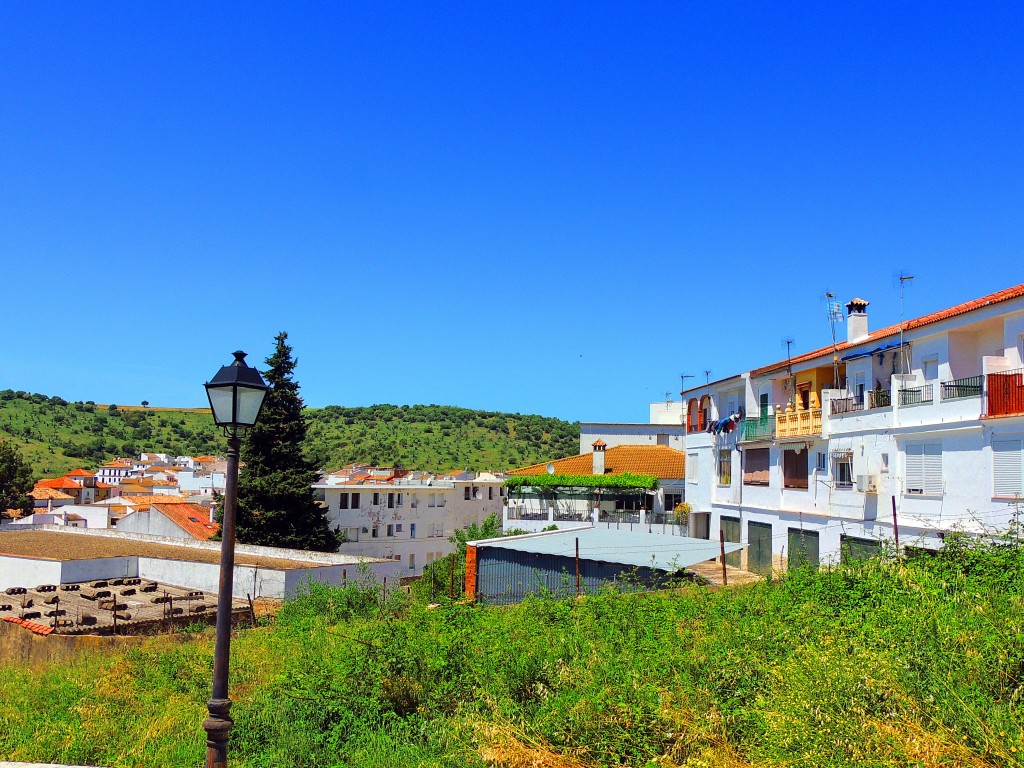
<point>144,500</point>
<point>49,494</point>
<point>31,626</point>
<point>960,309</point>
<point>118,464</point>
<point>73,516</point>
<point>657,460</point>
<point>193,518</point>
<point>204,459</point>
<point>599,442</point>
<point>78,473</point>
<point>101,484</point>
<point>65,483</point>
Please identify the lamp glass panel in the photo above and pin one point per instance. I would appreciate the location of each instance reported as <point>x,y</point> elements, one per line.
<point>220,401</point>
<point>249,401</point>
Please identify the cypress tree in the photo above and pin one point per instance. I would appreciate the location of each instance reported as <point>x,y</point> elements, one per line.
<point>276,506</point>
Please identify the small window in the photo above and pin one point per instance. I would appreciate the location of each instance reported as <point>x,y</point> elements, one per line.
<point>398,528</point>
<point>391,501</point>
<point>401,499</point>
<point>725,467</point>
<point>885,462</point>
<point>376,498</point>
<point>822,464</point>
<point>466,493</point>
<point>794,469</point>
<point>375,533</point>
<point>490,493</point>
<point>355,501</point>
<point>691,468</point>
<point>930,368</point>
<point>842,466</point>
<point>412,530</point>
<point>391,530</point>
<point>755,466</point>
<point>343,501</point>
<point>924,469</point>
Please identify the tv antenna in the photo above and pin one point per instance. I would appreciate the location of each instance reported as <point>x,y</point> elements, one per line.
<point>682,382</point>
<point>834,310</point>
<point>905,280</point>
<point>789,341</point>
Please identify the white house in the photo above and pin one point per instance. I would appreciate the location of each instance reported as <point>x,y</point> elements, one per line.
<point>402,515</point>
<point>533,508</point>
<point>917,430</point>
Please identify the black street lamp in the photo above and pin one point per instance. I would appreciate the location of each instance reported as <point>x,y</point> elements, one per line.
<point>236,396</point>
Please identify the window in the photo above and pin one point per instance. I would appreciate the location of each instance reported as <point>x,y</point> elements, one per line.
<point>691,468</point>
<point>391,501</point>
<point>490,493</point>
<point>412,530</point>
<point>401,499</point>
<point>391,530</point>
<point>725,467</point>
<point>924,469</point>
<point>794,469</point>
<point>1007,468</point>
<point>885,463</point>
<point>431,499</point>
<point>822,465</point>
<point>672,500</point>
<point>412,561</point>
<point>662,439</point>
<point>755,467</point>
<point>842,471</point>
<point>343,501</point>
<point>376,498</point>
<point>375,533</point>
<point>628,504</point>
<point>930,368</point>
<point>762,405</point>
<point>398,528</point>
<point>466,493</point>
<point>858,388</point>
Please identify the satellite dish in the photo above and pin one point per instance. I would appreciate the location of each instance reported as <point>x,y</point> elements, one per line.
<point>551,469</point>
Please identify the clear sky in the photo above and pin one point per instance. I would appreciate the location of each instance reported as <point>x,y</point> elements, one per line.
<point>545,207</point>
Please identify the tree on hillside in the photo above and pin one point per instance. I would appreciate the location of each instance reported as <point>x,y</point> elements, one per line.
<point>276,506</point>
<point>15,480</point>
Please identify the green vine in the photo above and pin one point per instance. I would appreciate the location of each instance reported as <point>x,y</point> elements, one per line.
<point>625,480</point>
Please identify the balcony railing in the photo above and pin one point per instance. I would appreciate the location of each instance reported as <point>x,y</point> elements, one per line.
<point>762,428</point>
<point>842,405</point>
<point>1005,393</point>
<point>791,423</point>
<point>916,395</point>
<point>966,387</point>
<point>696,423</point>
<point>879,398</point>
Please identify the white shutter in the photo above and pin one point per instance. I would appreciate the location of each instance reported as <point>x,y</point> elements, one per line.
<point>932,460</point>
<point>924,469</point>
<point>1007,470</point>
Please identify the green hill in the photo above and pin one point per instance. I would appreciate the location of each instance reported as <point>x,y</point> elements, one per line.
<point>56,436</point>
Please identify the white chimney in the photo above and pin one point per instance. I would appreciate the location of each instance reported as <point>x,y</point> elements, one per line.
<point>598,454</point>
<point>856,320</point>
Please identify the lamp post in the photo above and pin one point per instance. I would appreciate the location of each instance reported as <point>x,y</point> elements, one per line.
<point>236,396</point>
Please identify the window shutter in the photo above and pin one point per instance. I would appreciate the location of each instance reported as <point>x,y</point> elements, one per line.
<point>924,468</point>
<point>932,459</point>
<point>1007,470</point>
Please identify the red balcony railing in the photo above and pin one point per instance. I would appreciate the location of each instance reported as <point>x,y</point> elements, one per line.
<point>696,423</point>
<point>1005,393</point>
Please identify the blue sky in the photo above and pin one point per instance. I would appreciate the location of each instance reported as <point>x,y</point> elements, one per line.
<point>536,207</point>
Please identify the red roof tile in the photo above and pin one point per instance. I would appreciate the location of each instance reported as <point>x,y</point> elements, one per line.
<point>935,317</point>
<point>194,519</point>
<point>657,460</point>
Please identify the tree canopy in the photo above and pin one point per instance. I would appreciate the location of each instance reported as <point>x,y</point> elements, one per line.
<point>276,506</point>
<point>15,480</point>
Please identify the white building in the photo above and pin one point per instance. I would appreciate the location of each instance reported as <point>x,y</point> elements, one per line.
<point>917,429</point>
<point>534,508</point>
<point>405,516</point>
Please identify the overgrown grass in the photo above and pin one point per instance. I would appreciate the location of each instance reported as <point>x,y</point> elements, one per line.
<point>917,663</point>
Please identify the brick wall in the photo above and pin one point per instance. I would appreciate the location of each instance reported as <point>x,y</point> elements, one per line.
<point>471,572</point>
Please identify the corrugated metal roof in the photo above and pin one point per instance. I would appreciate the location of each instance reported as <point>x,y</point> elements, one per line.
<point>656,550</point>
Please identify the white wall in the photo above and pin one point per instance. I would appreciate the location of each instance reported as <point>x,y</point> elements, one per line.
<point>26,572</point>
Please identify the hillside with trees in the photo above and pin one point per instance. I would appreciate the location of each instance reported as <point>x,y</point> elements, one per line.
<point>55,436</point>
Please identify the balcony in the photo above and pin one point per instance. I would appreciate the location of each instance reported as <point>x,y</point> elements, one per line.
<point>696,423</point>
<point>959,388</point>
<point>879,398</point>
<point>762,428</point>
<point>916,395</point>
<point>842,405</point>
<point>1005,393</point>
<point>797,423</point>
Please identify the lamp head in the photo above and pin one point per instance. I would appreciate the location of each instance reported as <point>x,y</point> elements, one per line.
<point>236,394</point>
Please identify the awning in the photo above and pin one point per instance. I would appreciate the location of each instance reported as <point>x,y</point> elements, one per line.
<point>875,351</point>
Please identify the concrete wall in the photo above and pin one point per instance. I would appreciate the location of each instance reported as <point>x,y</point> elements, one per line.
<point>27,572</point>
<point>632,434</point>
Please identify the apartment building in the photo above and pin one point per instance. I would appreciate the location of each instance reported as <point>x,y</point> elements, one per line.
<point>404,515</point>
<point>915,430</point>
